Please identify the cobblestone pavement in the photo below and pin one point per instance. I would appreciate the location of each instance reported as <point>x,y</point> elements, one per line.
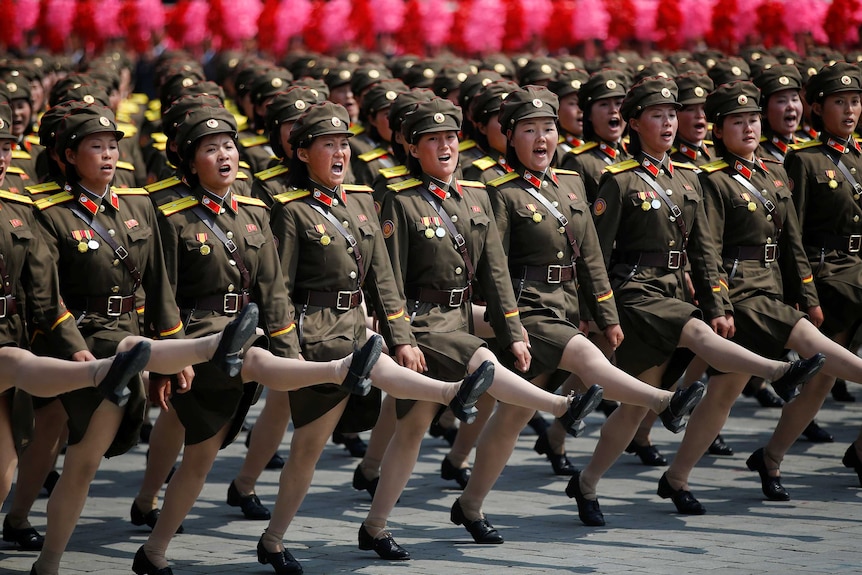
<point>819,531</point>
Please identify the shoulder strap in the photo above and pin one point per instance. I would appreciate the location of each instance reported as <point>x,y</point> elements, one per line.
<point>675,211</point>
<point>351,241</point>
<point>457,238</point>
<point>121,252</point>
<point>564,221</point>
<point>770,207</point>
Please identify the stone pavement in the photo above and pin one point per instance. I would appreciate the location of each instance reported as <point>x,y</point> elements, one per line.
<point>819,531</point>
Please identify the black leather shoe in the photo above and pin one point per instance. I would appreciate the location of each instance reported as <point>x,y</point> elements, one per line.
<point>51,481</point>
<point>146,431</point>
<point>275,462</point>
<point>138,517</point>
<point>771,486</point>
<point>581,406</point>
<point>840,392</point>
<point>143,566</point>
<point>538,424</point>
<point>800,371</point>
<point>447,433</point>
<point>607,407</point>
<point>449,472</point>
<point>481,530</point>
<point>361,364</point>
<point>816,434</point>
<point>681,404</point>
<point>353,444</point>
<point>233,338</point>
<point>360,482</point>
<point>648,454</point>
<point>463,405</point>
<point>719,447</point>
<point>685,502</point>
<point>559,461</point>
<point>127,364</point>
<point>766,398</point>
<point>26,539</point>
<point>250,504</point>
<point>588,509</point>
<point>385,547</point>
<point>851,461</point>
<point>282,561</point>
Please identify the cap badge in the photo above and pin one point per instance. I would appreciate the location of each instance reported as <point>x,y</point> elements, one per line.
<point>546,69</point>
<point>576,84</point>
<point>499,68</point>
<point>537,103</point>
<point>845,80</point>
<point>784,80</point>
<point>428,73</point>
<point>188,82</point>
<point>663,75</point>
<point>373,74</point>
<point>699,92</point>
<point>736,71</point>
<point>336,121</point>
<point>710,62</point>
<point>391,95</point>
<point>461,76</point>
<point>212,123</point>
<point>811,71</point>
<point>104,121</point>
<point>344,74</point>
<point>486,81</point>
<point>665,93</point>
<point>2,124</point>
<point>89,99</point>
<point>300,105</point>
<point>439,118</point>
<point>232,62</point>
<point>276,83</point>
<point>743,99</point>
<point>11,87</point>
<point>610,84</point>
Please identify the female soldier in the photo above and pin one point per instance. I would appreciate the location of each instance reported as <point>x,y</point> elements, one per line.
<point>647,234</point>
<point>440,241</point>
<point>331,251</point>
<point>827,191</point>
<point>485,111</point>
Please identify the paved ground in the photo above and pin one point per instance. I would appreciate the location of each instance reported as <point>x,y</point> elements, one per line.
<point>819,531</point>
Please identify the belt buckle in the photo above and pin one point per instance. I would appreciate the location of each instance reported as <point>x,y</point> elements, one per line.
<point>232,302</point>
<point>555,274</point>
<point>674,260</point>
<point>115,306</point>
<point>4,307</point>
<point>343,300</point>
<point>855,244</point>
<point>769,252</point>
<point>459,294</point>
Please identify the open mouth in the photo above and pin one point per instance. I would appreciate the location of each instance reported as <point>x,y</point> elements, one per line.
<point>338,168</point>
<point>224,170</point>
<point>445,158</point>
<point>614,123</point>
<point>541,152</point>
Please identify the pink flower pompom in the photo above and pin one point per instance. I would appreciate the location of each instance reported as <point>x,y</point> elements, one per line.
<point>26,14</point>
<point>436,19</point>
<point>388,16</point>
<point>696,18</point>
<point>195,22</point>
<point>538,16</point>
<point>645,18</point>
<point>290,19</point>
<point>483,31</point>
<point>107,18</point>
<point>591,20</point>
<point>55,23</point>
<point>335,27</point>
<point>242,16</point>
<point>745,20</point>
<point>806,16</point>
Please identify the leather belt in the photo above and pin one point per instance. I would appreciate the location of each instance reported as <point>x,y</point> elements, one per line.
<point>223,303</point>
<point>552,274</point>
<point>340,300</point>
<point>111,306</point>
<point>8,307</point>
<point>451,298</point>
<point>766,253</point>
<point>849,244</point>
<point>672,260</point>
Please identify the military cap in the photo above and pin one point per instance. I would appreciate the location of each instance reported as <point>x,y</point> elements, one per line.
<point>435,115</point>
<point>733,98</point>
<point>568,82</point>
<point>226,63</point>
<point>571,62</point>
<point>421,74</point>
<point>854,56</point>
<point>315,84</point>
<point>367,75</point>
<point>827,54</point>
<point>381,95</point>
<point>270,83</point>
<point>106,77</point>
<point>525,103</point>
<point>473,84</point>
<point>777,78</point>
<point>542,69</point>
<point>405,103</point>
<point>339,75</point>
<point>488,100</point>
<point>289,105</point>
<point>690,65</point>
<point>652,91</point>
<point>766,62</point>
<point>499,63</point>
<point>6,122</point>
<point>663,69</point>
<point>200,122</point>
<point>838,77</point>
<point>729,70</point>
<point>325,119</point>
<point>246,76</point>
<point>784,55</point>
<point>17,88</point>
<point>50,122</point>
<point>78,87</point>
<point>450,78</point>
<point>83,121</point>
<point>178,111</point>
<point>602,84</point>
<point>709,58</point>
<point>808,67</point>
<point>177,90</point>
<point>693,88</point>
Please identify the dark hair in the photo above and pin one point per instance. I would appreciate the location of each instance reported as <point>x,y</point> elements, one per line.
<point>816,119</point>
<point>413,165</point>
<point>480,138</point>
<point>634,146</point>
<point>297,173</point>
<point>718,143</point>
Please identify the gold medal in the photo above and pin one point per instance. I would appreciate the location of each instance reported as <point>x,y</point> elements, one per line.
<point>82,247</point>
<point>205,250</point>
<point>429,233</point>
<point>833,184</point>
<point>537,217</point>
<point>752,206</point>
<point>325,240</point>
<point>645,206</point>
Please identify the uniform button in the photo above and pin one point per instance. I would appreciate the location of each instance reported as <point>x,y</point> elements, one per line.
<point>334,202</point>
<point>448,195</point>
<point>856,196</point>
<point>669,192</point>
<point>769,240</point>
<point>221,211</point>
<point>555,204</point>
<point>768,218</point>
<point>454,218</point>
<point>855,218</point>
<point>345,223</point>
<point>115,263</point>
<point>852,170</point>
<point>561,229</point>
<point>671,243</point>
<point>352,275</point>
<point>112,233</point>
<point>458,271</point>
<point>229,235</point>
<point>545,184</point>
<point>115,289</point>
<point>349,250</point>
<point>231,287</point>
<point>102,209</point>
<point>560,255</point>
<point>232,262</point>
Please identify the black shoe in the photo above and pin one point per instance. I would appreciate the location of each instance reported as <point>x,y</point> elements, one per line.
<point>26,539</point>
<point>581,406</point>
<point>282,561</point>
<point>143,566</point>
<point>588,509</point>
<point>559,461</point>
<point>363,360</point>
<point>149,518</point>
<point>127,364</point>
<point>538,424</point>
<point>353,444</point>
<point>463,405</point>
<point>851,461</point>
<point>840,392</point>
<point>771,486</point>
<point>449,472</point>
<point>250,504</point>
<point>816,434</point>
<point>236,333</point>
<point>607,407</point>
<point>768,399</point>
<point>385,547</point>
<point>481,530</point>
<point>275,462</point>
<point>447,433</point>
<point>685,502</point>
<point>648,454</point>
<point>146,431</point>
<point>800,372</point>
<point>719,447</point>
<point>360,482</point>
<point>681,404</point>
<point>51,481</point>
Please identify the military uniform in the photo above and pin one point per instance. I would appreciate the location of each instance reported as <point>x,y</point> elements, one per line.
<point>771,81</point>
<point>486,169</point>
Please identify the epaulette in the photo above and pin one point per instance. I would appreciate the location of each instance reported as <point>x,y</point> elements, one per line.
<point>139,98</point>
<point>128,130</point>
<point>241,122</point>
<point>177,206</point>
<point>708,143</point>
<point>253,141</point>
<point>54,200</point>
<point>563,172</point>
<point>43,188</point>
<point>33,139</point>
<point>356,188</point>
<point>394,171</point>
<point>620,167</point>
<point>503,179</point>
<point>21,199</point>
<point>484,163</point>
<point>240,175</point>
<point>159,137</point>
<point>155,105</point>
<point>356,129</point>
<point>244,164</point>
<point>466,145</point>
<point>163,184</point>
<point>248,201</point>
<point>152,115</point>
<point>15,170</point>
<point>128,108</point>
<point>126,166</point>
<point>472,184</point>
<point>586,147</point>
<point>160,146</point>
<point>270,173</point>
<point>685,166</point>
<point>804,145</point>
<point>21,155</point>
<point>291,195</point>
<point>130,191</point>
<point>372,155</point>
<point>405,185</point>
<point>714,166</point>
<point>123,117</point>
<point>763,139</point>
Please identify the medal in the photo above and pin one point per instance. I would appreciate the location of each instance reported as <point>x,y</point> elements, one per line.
<point>656,204</point>
<point>752,206</point>
<point>82,247</point>
<point>441,232</point>
<point>833,184</point>
<point>645,206</point>
<point>205,250</point>
<point>537,217</point>
<point>325,240</point>
<point>429,233</point>
<point>93,245</point>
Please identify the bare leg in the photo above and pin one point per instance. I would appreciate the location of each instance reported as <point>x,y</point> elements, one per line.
<point>8,456</point>
<point>382,433</point>
<point>726,356</point>
<point>47,376</point>
<point>268,432</point>
<point>403,383</point>
<point>166,441</point>
<point>469,433</point>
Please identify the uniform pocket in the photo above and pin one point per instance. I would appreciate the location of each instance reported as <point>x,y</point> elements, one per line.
<point>140,233</point>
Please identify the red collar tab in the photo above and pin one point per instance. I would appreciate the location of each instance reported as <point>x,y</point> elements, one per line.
<point>780,144</point>
<point>742,169</point>
<point>650,166</point>
<point>502,161</point>
<point>437,191</point>
<point>534,180</point>
<point>89,204</point>
<point>327,200</point>
<point>688,151</point>
<point>115,200</point>
<point>607,150</point>
<point>573,141</point>
<point>212,205</point>
<point>837,146</point>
